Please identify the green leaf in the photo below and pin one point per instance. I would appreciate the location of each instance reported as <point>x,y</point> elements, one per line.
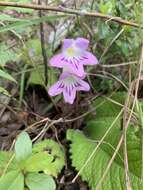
<point>41,181</point>
<point>20,10</point>
<point>95,129</point>
<point>107,108</point>
<point>82,147</point>
<point>5,158</point>
<point>48,156</point>
<point>12,181</point>
<point>23,147</point>
<point>30,22</point>
<point>37,162</point>
<point>4,91</point>
<point>37,77</point>
<point>5,17</point>
<point>6,55</point>
<point>6,76</point>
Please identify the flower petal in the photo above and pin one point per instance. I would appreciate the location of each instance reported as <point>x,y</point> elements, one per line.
<point>89,59</point>
<point>82,43</point>
<point>69,97</point>
<point>67,43</point>
<point>56,61</point>
<point>77,69</point>
<point>55,89</point>
<point>82,85</point>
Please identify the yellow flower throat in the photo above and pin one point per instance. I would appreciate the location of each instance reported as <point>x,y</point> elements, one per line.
<point>70,51</point>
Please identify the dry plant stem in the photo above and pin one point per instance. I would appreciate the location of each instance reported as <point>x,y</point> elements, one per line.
<point>44,54</point>
<point>120,64</point>
<point>8,164</point>
<point>40,132</point>
<point>70,11</point>
<point>110,163</point>
<point>127,105</point>
<point>100,142</point>
<point>125,126</point>
<point>112,76</point>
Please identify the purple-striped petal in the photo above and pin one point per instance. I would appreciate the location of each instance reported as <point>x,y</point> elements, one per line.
<point>77,69</point>
<point>69,95</point>
<point>82,43</point>
<point>89,59</point>
<point>82,85</point>
<point>67,43</point>
<point>56,89</point>
<point>57,61</point>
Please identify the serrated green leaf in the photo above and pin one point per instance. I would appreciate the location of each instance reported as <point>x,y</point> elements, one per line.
<point>23,147</point>
<point>36,181</point>
<point>6,76</point>
<point>52,154</point>
<point>82,148</point>
<point>12,181</point>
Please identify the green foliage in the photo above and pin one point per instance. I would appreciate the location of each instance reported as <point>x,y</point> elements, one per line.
<point>6,55</point>
<point>6,76</point>
<point>28,22</point>
<point>82,147</point>
<point>4,91</point>
<point>19,10</point>
<point>15,169</point>
<point>12,180</point>
<point>5,157</point>
<point>5,17</point>
<point>23,147</point>
<point>40,182</point>
<point>54,154</point>
<point>37,77</point>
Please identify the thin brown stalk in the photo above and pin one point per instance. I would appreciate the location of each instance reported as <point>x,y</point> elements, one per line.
<point>70,11</point>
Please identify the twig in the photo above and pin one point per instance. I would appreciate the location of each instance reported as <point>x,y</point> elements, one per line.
<point>126,124</point>
<point>110,162</point>
<point>71,11</point>
<point>42,36</point>
<point>120,64</point>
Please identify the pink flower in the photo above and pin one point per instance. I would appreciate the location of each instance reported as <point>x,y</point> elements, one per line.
<point>74,56</point>
<point>68,84</point>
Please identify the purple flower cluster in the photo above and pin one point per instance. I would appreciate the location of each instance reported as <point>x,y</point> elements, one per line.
<point>72,59</point>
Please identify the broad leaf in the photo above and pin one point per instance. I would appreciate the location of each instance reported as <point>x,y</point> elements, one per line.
<point>36,181</point>
<point>5,158</point>
<point>82,148</point>
<point>23,147</point>
<point>105,107</point>
<point>48,156</point>
<point>38,162</point>
<point>12,181</point>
